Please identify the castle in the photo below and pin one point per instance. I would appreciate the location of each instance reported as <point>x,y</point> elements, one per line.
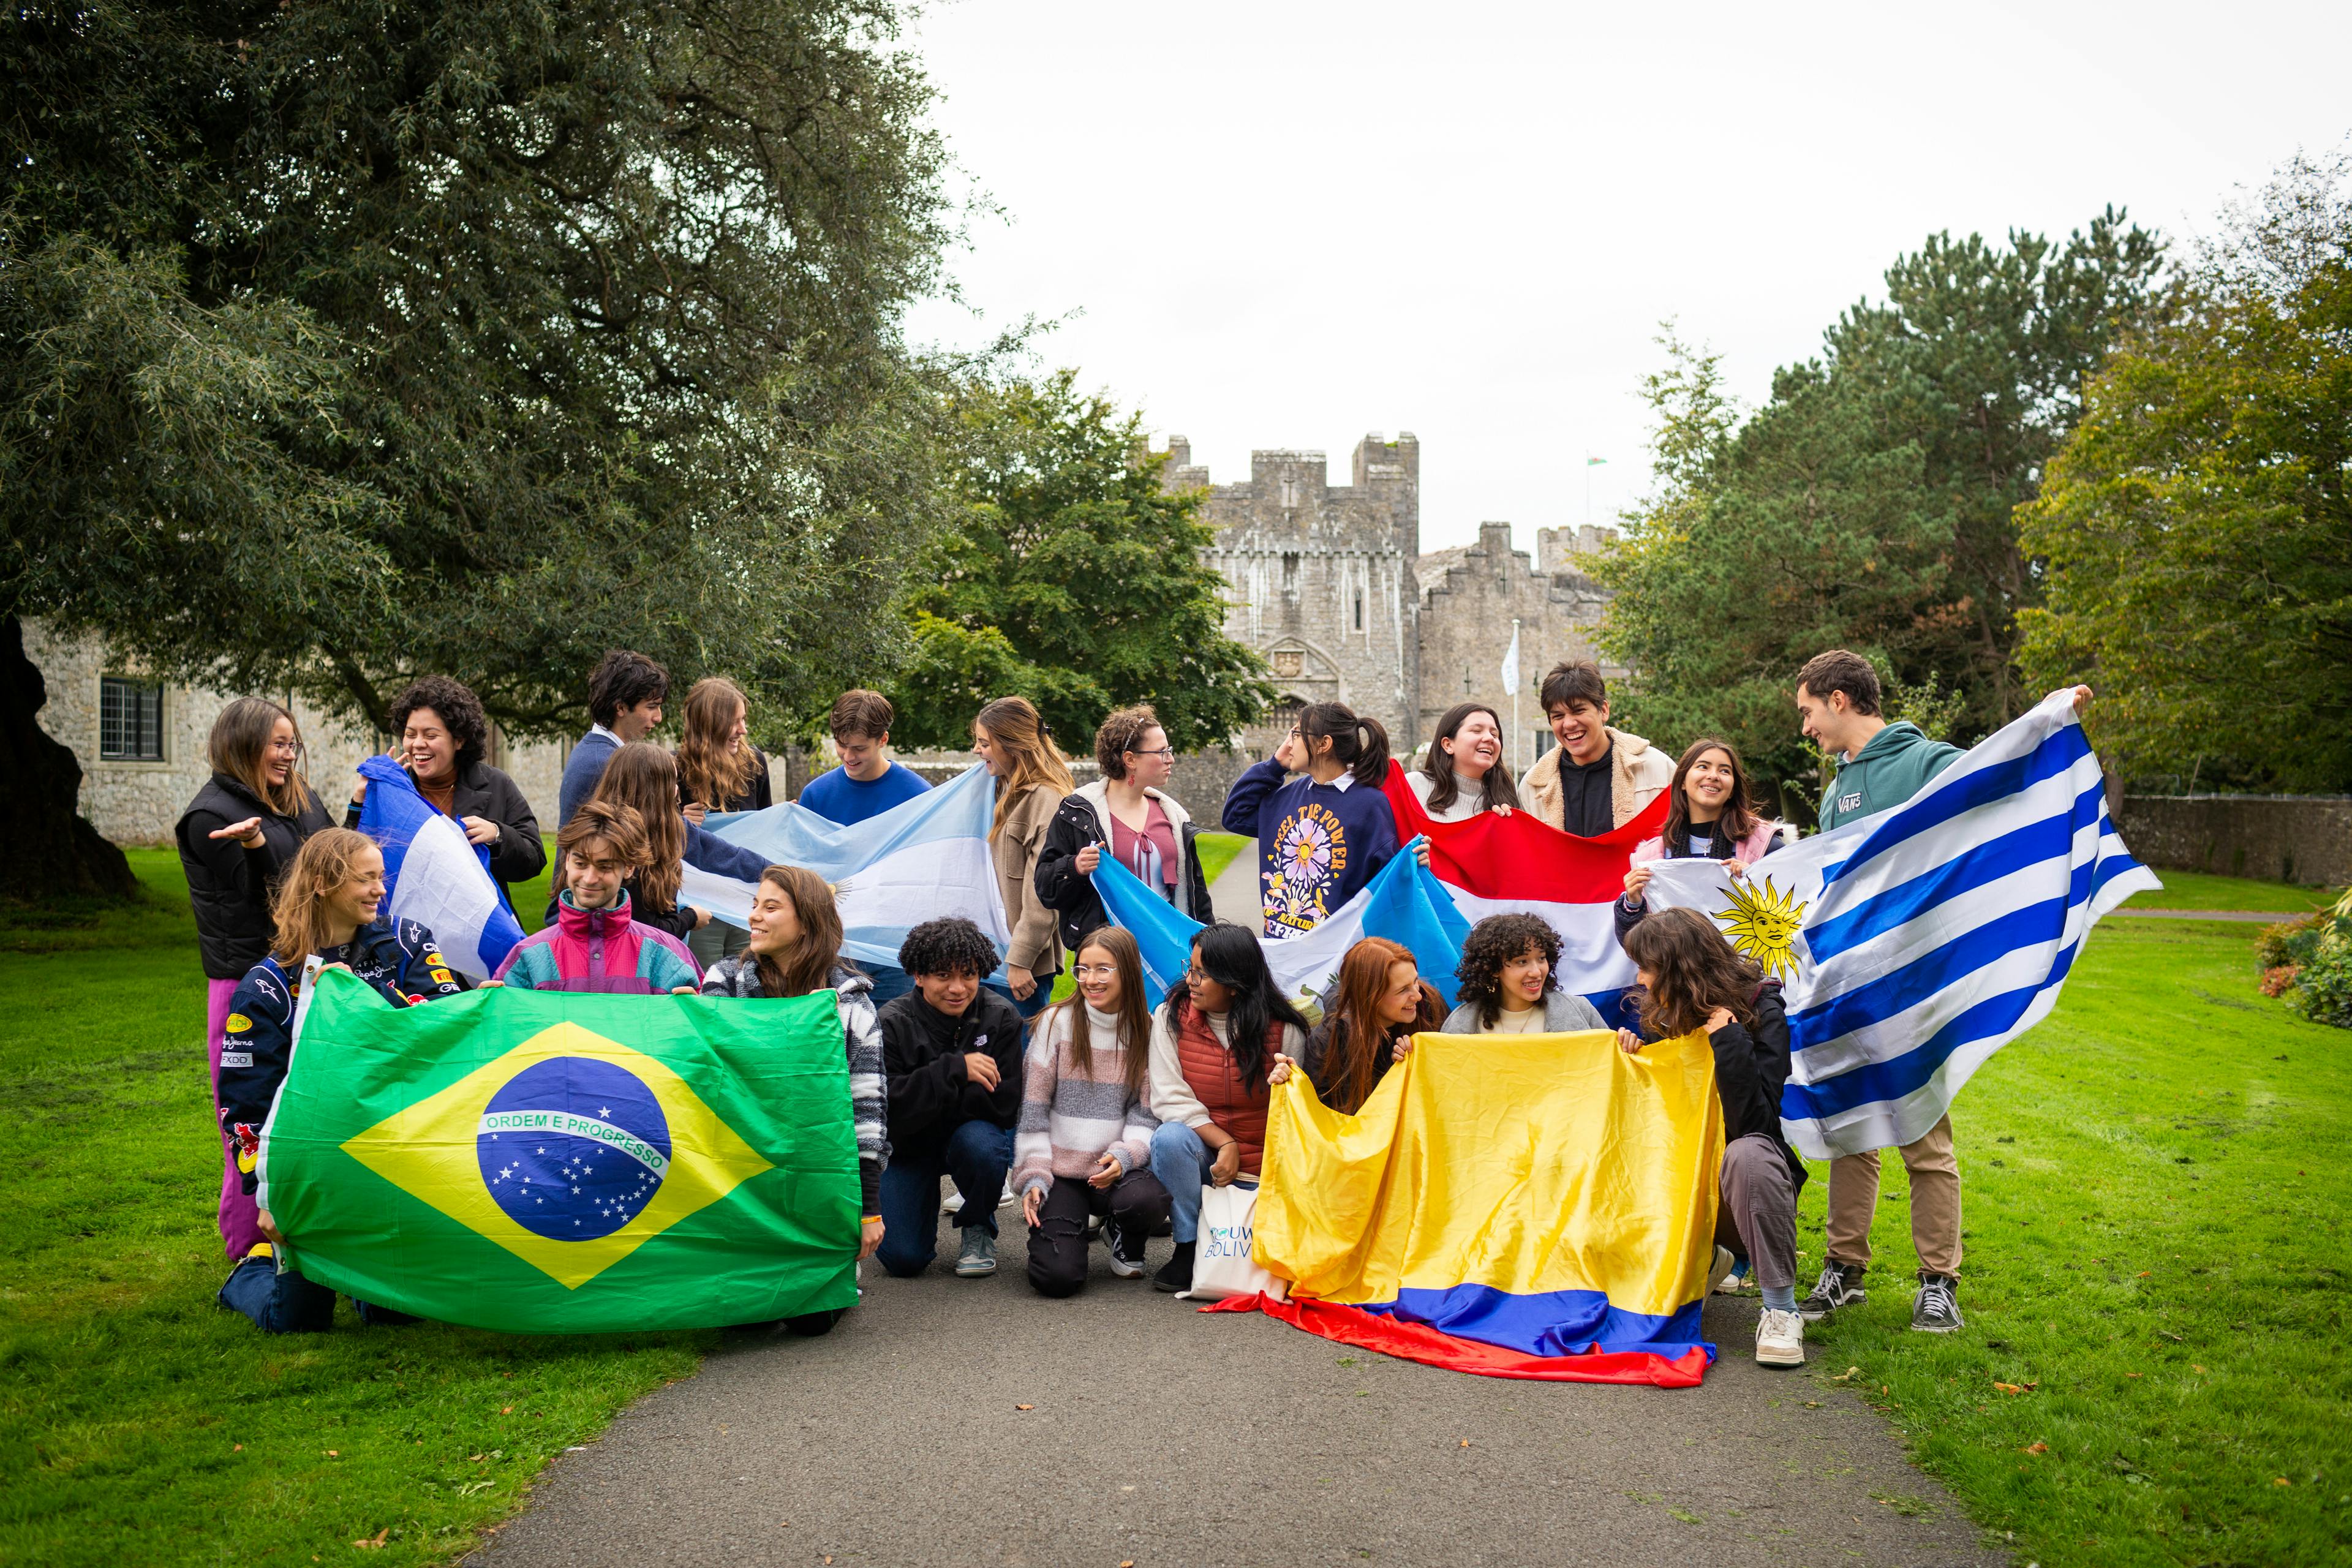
<point>1328,583</point>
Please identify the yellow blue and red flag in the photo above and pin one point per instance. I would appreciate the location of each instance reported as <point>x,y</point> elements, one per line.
<point>561,1163</point>
<point>1539,1206</point>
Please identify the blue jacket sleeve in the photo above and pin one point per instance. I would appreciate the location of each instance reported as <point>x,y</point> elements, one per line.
<point>1249,795</point>
<point>705,851</point>
<point>254,1047</point>
<point>1381,846</point>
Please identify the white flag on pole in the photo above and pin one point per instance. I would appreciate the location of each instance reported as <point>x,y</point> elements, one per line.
<point>1511,663</point>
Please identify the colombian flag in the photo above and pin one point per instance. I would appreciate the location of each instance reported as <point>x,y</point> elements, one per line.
<point>557,1163</point>
<point>1538,1207</point>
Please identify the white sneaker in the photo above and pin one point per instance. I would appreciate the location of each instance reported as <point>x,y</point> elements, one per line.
<point>1779,1339</point>
<point>952,1205</point>
<point>1720,1269</point>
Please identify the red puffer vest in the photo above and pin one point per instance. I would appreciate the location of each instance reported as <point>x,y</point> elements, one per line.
<point>1210,1072</point>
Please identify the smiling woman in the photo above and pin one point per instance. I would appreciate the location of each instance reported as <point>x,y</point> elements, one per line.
<point>1464,772</point>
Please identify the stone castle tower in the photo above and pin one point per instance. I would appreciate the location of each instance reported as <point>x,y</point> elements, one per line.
<point>1328,583</point>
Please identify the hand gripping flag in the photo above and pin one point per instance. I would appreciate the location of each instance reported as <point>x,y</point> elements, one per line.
<point>1538,1207</point>
<point>1914,944</point>
<point>433,876</point>
<point>1492,864</point>
<point>924,859</point>
<point>1400,903</point>
<point>552,1163</point>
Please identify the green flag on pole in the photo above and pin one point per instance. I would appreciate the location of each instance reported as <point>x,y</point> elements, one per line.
<point>559,1163</point>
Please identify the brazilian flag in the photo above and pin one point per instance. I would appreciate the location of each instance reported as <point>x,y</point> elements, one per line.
<point>558,1163</point>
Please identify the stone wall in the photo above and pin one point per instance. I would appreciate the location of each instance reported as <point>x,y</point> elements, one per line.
<point>1469,597</point>
<point>140,802</point>
<point>1320,577</point>
<point>2285,837</point>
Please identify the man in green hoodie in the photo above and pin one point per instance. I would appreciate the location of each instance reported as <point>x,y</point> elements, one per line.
<point>1880,766</point>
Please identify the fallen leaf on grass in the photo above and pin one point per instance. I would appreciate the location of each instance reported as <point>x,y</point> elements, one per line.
<point>2035,1449</point>
<point>508,1411</point>
<point>1851,1371</point>
<point>369,1543</point>
<point>2194,1367</point>
<point>2131,1374</point>
<point>2176,1339</point>
<point>334,1453</point>
<point>1016,1408</point>
<point>2144,1273</point>
<point>238,1450</point>
<point>2012,1387</point>
<point>2282,1481</point>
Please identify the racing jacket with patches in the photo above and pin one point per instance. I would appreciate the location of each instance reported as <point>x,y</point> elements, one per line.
<point>401,960</point>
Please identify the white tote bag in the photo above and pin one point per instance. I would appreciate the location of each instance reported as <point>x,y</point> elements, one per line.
<point>1222,1263</point>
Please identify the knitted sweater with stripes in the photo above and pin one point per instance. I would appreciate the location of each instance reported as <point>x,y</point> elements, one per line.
<point>1070,1119</point>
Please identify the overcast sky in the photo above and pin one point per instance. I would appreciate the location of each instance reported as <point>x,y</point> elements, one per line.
<point>1288,224</point>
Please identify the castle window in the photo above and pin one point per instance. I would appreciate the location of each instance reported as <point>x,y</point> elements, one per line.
<point>1360,610</point>
<point>130,720</point>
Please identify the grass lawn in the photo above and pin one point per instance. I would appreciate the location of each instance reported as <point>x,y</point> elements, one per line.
<point>2157,1267</point>
<point>140,1423</point>
<point>1217,852</point>
<point>2202,890</point>
<point>2157,1260</point>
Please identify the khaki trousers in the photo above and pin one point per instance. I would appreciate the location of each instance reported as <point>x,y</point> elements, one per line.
<point>1935,1202</point>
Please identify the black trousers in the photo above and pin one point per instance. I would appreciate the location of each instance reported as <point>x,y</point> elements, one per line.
<point>1137,1203</point>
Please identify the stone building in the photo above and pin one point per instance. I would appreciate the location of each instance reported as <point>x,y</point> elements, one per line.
<point>1328,583</point>
<point>140,742</point>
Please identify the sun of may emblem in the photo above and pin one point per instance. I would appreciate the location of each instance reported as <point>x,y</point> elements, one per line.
<point>1762,923</point>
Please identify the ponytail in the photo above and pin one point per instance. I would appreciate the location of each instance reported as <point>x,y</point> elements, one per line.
<point>1360,745</point>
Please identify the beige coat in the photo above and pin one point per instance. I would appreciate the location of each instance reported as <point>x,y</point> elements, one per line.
<point>1036,943</point>
<point>1638,773</point>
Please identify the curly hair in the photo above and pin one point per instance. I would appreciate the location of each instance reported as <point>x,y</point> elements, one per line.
<point>459,709</point>
<point>950,945</point>
<point>1121,733</point>
<point>1694,971</point>
<point>1495,941</point>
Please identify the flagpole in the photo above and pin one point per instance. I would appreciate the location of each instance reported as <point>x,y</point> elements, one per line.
<point>1516,766</point>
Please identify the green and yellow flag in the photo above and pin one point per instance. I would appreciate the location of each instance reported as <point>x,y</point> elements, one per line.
<point>556,1162</point>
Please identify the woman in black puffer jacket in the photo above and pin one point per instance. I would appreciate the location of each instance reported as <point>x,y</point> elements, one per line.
<point>236,839</point>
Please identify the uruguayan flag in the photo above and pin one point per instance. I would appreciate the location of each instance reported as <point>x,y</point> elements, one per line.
<point>1915,943</point>
<point>433,875</point>
<point>922,859</point>
<point>1403,903</point>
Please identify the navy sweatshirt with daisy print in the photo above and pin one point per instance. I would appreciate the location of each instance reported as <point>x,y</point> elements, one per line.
<point>1318,844</point>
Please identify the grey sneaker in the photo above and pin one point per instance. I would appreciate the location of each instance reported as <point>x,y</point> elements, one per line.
<point>979,1255</point>
<point>1937,1309</point>
<point>1839,1285</point>
<point>1126,1252</point>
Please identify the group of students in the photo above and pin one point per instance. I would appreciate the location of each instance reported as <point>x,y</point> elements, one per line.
<point>1106,1115</point>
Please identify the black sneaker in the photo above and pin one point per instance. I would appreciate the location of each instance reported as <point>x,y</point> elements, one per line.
<point>1126,1252</point>
<point>1839,1285</point>
<point>1176,1274</point>
<point>1937,1309</point>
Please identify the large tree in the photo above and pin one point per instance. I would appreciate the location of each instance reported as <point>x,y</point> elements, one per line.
<point>2198,525</point>
<point>340,343</point>
<point>1071,577</point>
<point>1869,502</point>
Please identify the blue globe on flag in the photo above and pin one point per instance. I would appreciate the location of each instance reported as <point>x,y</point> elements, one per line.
<point>574,1148</point>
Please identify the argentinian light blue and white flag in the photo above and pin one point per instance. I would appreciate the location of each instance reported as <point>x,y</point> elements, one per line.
<point>1914,944</point>
<point>1403,903</point>
<point>924,859</point>
<point>433,875</point>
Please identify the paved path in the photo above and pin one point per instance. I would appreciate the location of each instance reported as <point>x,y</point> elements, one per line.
<point>1234,894</point>
<point>1161,1435</point>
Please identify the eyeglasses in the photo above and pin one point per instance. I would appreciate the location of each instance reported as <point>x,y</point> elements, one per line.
<point>1154,751</point>
<point>1089,971</point>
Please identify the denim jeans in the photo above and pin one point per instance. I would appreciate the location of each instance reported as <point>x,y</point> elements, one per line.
<point>285,1303</point>
<point>1181,1160</point>
<point>975,1155</point>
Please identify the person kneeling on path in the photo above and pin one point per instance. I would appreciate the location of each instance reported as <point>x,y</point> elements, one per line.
<point>951,1053</point>
<point>595,943</point>
<point>327,905</point>
<point>1212,1043</point>
<point>1511,981</point>
<point>1084,1144</point>
<point>796,950</point>
<point>1691,978</point>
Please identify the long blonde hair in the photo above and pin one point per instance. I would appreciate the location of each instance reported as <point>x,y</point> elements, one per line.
<point>808,962</point>
<point>240,740</point>
<point>713,770</point>
<point>327,858</point>
<point>1030,756</point>
<point>643,777</point>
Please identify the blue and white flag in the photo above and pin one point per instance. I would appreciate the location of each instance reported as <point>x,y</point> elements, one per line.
<point>1915,943</point>
<point>924,859</point>
<point>1402,903</point>
<point>433,875</point>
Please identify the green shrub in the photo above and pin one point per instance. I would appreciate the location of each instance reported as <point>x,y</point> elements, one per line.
<point>2292,941</point>
<point>2310,962</point>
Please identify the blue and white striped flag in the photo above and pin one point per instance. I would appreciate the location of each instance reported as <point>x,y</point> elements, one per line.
<point>433,876</point>
<point>922,859</point>
<point>1915,943</point>
<point>1403,903</point>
